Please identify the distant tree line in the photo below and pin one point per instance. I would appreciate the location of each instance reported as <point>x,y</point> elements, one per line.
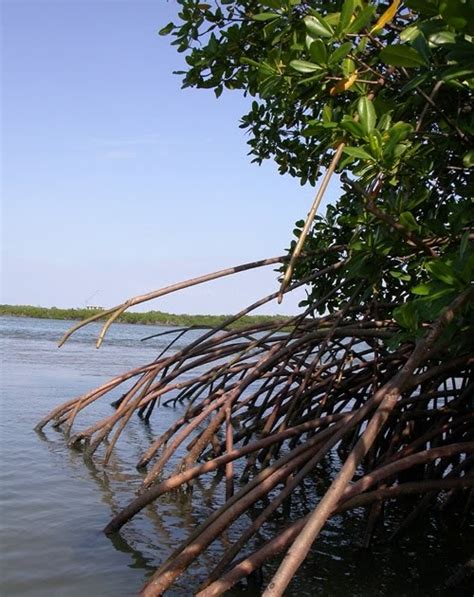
<point>148,318</point>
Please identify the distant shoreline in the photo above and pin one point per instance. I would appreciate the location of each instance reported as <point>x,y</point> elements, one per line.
<point>147,318</point>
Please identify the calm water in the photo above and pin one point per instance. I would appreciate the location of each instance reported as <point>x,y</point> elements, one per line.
<point>54,505</point>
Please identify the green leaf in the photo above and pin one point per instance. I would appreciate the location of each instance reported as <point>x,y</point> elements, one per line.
<point>397,133</point>
<point>265,16</point>
<point>318,52</point>
<point>317,27</point>
<point>367,114</point>
<point>408,221</point>
<point>400,275</point>
<point>362,19</point>
<point>461,51</point>
<point>410,33</point>
<point>340,53</point>
<point>267,69</point>
<point>430,306</point>
<point>250,62</point>
<point>348,67</point>
<point>407,316</point>
<point>384,122</point>
<point>345,18</point>
<point>468,269</point>
<point>464,244</point>
<point>375,142</point>
<point>425,7</point>
<point>327,113</point>
<point>442,271</point>
<point>468,159</point>
<point>359,266</point>
<point>441,38</point>
<point>167,29</point>
<point>399,55</point>
<point>414,82</point>
<point>331,18</point>
<point>459,14</point>
<point>312,79</point>
<point>269,86</point>
<point>400,131</point>
<point>358,152</point>
<point>422,289</point>
<point>353,128</point>
<point>459,71</point>
<point>304,67</point>
<point>421,46</point>
<point>276,4</point>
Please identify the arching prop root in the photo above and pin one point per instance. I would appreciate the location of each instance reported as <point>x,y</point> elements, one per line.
<point>267,403</point>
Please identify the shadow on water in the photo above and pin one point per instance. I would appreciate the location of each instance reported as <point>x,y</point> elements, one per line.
<point>139,561</point>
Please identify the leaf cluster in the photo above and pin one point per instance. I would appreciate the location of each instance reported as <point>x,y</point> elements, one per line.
<point>392,81</point>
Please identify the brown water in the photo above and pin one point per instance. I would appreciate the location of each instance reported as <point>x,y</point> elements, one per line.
<point>54,505</point>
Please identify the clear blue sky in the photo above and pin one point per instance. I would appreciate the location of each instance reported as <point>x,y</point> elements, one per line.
<point>115,181</point>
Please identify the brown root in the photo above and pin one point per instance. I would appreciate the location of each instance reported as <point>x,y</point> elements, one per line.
<point>267,403</point>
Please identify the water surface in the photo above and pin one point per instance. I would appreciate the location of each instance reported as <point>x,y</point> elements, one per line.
<point>54,505</point>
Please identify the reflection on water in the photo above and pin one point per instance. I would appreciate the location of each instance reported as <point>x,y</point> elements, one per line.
<point>54,504</point>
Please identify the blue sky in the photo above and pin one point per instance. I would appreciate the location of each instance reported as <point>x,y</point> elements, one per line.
<point>115,181</point>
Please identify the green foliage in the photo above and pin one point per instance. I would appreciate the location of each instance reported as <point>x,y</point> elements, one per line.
<point>393,81</point>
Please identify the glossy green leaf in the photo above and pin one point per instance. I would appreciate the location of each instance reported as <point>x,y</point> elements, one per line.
<point>421,289</point>
<point>442,271</point>
<point>347,12</point>
<point>441,38</point>
<point>318,27</point>
<point>367,115</point>
<point>407,316</point>
<point>363,19</point>
<point>460,72</point>
<point>414,82</point>
<point>410,33</point>
<point>302,66</point>
<point>318,52</point>
<point>400,275</point>
<point>358,152</point>
<point>167,29</point>
<point>408,221</point>
<point>265,16</point>
<point>421,46</point>
<point>348,67</point>
<point>327,113</point>
<point>400,55</point>
<point>340,53</point>
<point>353,128</point>
<point>249,61</point>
